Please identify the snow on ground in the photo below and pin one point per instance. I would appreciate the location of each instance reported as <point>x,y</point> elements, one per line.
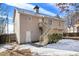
<point>65,47</point>
<point>48,51</point>
<point>65,44</point>
<point>4,47</point>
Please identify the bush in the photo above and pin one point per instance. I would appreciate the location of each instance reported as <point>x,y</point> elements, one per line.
<point>53,38</point>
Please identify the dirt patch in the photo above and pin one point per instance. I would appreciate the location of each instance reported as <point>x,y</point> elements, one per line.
<point>23,52</point>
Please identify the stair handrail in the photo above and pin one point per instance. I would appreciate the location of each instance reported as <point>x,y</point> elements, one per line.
<point>46,32</point>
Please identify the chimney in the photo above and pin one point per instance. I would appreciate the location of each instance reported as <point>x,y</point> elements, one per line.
<point>36,8</point>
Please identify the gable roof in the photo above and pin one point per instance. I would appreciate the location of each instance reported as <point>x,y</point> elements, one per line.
<point>39,14</point>
<point>31,12</point>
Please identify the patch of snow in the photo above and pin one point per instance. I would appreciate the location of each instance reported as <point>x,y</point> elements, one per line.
<point>8,46</point>
<point>65,44</point>
<point>48,51</point>
<point>2,49</point>
<point>65,47</point>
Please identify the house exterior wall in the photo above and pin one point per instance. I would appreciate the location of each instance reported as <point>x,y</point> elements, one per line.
<point>26,22</point>
<point>29,23</point>
<point>76,26</point>
<point>17,26</point>
<point>58,26</point>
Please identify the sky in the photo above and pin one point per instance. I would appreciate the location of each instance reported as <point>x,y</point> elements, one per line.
<point>10,11</point>
<point>40,1</point>
<point>44,8</point>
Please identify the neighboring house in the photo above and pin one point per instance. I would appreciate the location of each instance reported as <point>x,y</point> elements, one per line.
<point>28,25</point>
<point>76,26</point>
<point>74,23</point>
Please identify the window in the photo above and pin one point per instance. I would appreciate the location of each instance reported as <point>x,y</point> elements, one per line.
<point>46,21</point>
<point>59,23</point>
<point>50,22</point>
<point>29,18</point>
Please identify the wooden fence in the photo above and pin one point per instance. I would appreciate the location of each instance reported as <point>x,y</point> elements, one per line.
<point>71,36</point>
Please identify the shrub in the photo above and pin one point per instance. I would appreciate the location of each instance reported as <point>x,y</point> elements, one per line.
<point>53,38</point>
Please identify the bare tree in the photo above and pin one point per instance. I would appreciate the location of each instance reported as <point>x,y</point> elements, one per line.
<point>64,7</point>
<point>1,19</point>
<point>4,15</point>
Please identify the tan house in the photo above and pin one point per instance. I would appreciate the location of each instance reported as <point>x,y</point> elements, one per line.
<point>28,25</point>
<point>76,26</point>
<point>57,25</point>
<point>74,23</point>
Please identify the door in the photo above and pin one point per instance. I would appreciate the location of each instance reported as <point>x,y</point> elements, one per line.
<point>28,36</point>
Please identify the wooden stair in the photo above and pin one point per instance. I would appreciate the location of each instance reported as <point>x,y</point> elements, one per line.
<point>44,37</point>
